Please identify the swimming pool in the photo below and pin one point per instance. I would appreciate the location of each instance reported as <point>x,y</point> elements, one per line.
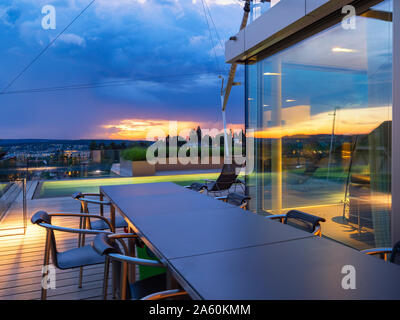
<point>64,188</point>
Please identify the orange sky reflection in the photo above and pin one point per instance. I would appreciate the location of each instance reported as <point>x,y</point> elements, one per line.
<point>348,122</point>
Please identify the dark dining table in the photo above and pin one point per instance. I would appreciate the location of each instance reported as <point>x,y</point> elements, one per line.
<point>218,251</point>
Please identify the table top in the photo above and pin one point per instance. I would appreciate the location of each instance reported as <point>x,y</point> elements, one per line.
<point>218,251</point>
<point>158,198</point>
<point>185,223</point>
<point>299,269</point>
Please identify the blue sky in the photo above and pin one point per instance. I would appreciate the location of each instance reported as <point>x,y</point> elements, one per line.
<point>114,40</point>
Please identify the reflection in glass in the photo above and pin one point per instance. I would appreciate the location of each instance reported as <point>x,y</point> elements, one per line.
<point>322,112</point>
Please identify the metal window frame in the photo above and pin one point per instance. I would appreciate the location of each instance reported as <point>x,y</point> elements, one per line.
<point>395,217</point>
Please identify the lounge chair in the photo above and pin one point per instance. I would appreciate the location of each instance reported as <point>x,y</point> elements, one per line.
<point>116,251</point>
<point>391,254</point>
<point>227,178</point>
<point>72,258</point>
<point>300,220</point>
<point>236,199</point>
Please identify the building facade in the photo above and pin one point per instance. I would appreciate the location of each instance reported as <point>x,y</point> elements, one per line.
<point>320,103</point>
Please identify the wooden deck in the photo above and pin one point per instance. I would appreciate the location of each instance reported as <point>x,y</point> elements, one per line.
<point>21,257</point>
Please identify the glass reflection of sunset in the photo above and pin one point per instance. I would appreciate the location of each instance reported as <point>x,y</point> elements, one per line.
<point>348,122</point>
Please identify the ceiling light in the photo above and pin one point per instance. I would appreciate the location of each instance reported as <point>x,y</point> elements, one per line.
<point>338,49</point>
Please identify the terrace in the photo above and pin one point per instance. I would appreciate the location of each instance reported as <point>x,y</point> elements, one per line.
<point>23,253</point>
<point>327,180</point>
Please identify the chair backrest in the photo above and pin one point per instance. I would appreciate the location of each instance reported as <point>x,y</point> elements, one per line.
<point>77,195</point>
<point>302,220</point>
<point>227,177</point>
<point>395,256</point>
<point>237,199</point>
<point>104,245</point>
<point>43,217</point>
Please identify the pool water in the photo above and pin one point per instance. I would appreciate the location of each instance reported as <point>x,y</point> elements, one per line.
<point>64,188</point>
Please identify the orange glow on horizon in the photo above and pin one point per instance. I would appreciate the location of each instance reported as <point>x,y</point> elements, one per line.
<point>139,129</point>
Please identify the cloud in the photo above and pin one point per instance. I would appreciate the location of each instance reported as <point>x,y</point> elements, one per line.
<point>163,42</point>
<point>9,15</point>
<point>71,38</point>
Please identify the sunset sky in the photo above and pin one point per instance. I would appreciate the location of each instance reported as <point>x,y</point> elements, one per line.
<point>163,45</point>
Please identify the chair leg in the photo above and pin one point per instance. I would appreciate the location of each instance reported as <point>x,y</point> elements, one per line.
<point>124,280</point>
<point>101,205</point>
<point>114,281</point>
<point>82,244</point>
<point>132,253</point>
<point>80,224</point>
<point>105,280</point>
<point>80,235</point>
<point>80,277</point>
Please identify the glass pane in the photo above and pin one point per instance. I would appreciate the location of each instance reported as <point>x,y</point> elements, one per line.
<point>322,112</point>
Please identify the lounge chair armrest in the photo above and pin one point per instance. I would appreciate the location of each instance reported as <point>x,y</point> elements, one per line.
<point>208,181</point>
<point>107,203</point>
<point>276,216</point>
<point>81,215</point>
<point>165,294</point>
<point>123,236</point>
<point>243,205</point>
<point>79,195</point>
<point>223,198</point>
<point>72,230</point>
<point>133,260</point>
<point>375,251</point>
<point>318,231</point>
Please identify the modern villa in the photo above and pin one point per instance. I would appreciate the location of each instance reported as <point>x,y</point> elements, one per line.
<point>311,213</point>
<point>320,103</point>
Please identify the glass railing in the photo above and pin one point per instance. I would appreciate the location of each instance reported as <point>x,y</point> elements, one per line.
<point>60,165</point>
<point>13,210</point>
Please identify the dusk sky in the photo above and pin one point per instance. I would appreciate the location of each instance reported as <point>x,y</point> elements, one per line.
<point>152,41</point>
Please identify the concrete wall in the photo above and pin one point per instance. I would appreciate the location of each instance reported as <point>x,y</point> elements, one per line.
<point>179,166</point>
<point>142,168</point>
<point>136,168</point>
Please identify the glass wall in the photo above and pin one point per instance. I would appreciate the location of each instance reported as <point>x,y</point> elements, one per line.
<point>322,111</point>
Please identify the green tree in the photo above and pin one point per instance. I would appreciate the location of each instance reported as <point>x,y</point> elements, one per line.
<point>93,145</point>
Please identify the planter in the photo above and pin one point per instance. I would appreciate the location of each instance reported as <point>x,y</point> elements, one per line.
<point>219,161</point>
<point>136,168</point>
